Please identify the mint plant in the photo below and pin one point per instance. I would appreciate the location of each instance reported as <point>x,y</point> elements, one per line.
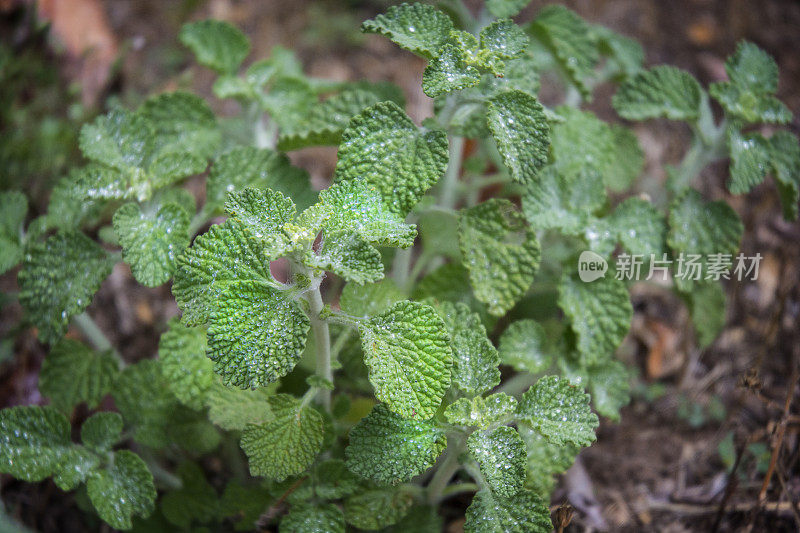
<point>362,399</point>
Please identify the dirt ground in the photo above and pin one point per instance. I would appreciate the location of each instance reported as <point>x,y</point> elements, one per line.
<point>695,415</point>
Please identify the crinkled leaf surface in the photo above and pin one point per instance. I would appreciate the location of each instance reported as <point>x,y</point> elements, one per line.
<point>563,202</point>
<point>123,489</point>
<point>628,161</point>
<point>481,412</point>
<point>349,256</point>
<point>519,127</point>
<point>524,346</point>
<point>120,139</point>
<point>501,456</point>
<point>450,71</point>
<point>641,228</point>
<point>233,408</point>
<point>707,305</point>
<point>785,151</point>
<point>190,374</point>
<point>287,445</point>
<point>374,509</point>
<point>34,442</point>
<point>560,411</point>
<point>662,91</point>
<point>309,518</point>
<point>385,148</point>
<point>216,44</point>
<point>500,252</point>
<point>58,280</point>
<point>594,137</point>
<point>264,213</point>
<point>369,299</point>
<point>750,160</point>
<point>390,449</point>
<point>143,397</point>
<point>72,373</point>
<point>419,28</point>
<point>545,459</point>
<point>102,430</point>
<point>183,122</point>
<point>13,208</point>
<point>406,350</point>
<point>525,512</point>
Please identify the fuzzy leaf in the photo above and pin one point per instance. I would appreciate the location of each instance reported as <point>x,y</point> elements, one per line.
<point>520,129</point>
<point>143,397</point>
<point>662,91</point>
<point>377,508</point>
<point>594,136</point>
<point>152,239</point>
<point>450,71</point>
<point>34,442</point>
<point>260,168</point>
<point>419,28</point>
<point>501,456</point>
<point>525,512</point>
<point>407,353</point>
<point>481,412</point>
<point>628,161</point>
<point>183,122</point>
<point>389,449</point>
<point>749,106</point>
<point>125,488</point>
<point>750,160</point>
<point>264,213</point>
<point>506,8</point>
<point>370,299</point>
<point>475,360</point>
<point>287,445</point>
<point>502,39</point>
<point>233,408</point>
<point>101,431</point>
<point>72,373</point>
<point>785,151</point>
<point>216,44</point>
<point>707,305</point>
<point>309,518</point>
<point>195,501</point>
<point>640,227</point>
<point>58,280</point>
<point>623,52</point>
<point>524,346</point>
<point>385,148</point>
<point>568,38</point>
<point>545,460</point>
<point>610,387</point>
<point>120,139</point>
<point>190,374</point>
<point>500,251</point>
<point>349,256</point>
<point>560,411</point>
<point>559,201</point>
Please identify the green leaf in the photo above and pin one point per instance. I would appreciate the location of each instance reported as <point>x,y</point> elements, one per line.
<point>102,431</point>
<point>750,160</point>
<point>419,28</point>
<point>152,239</point>
<point>662,91</point>
<point>545,459</point>
<point>450,71</point>
<point>217,44</point>
<point>628,161</point>
<point>72,373</point>
<point>439,233</point>
<point>749,106</point>
<point>190,374</point>
<point>594,137</point>
<point>233,408</point>
<point>500,252</point>
<point>406,351</point>
<point>481,412</point>
<point>375,509</point>
<point>475,360</point>
<point>76,467</point>
<point>506,8</point>
<point>34,442</point>
<point>370,299</point>
<point>13,208</point>
<point>287,445</point>
<point>125,488</point>
<point>69,207</point>
<point>183,122</point>
<point>143,397</point>
<point>520,129</point>
<point>610,387</point>
<point>120,139</point>
<point>600,313</point>
<point>560,411</point>
<point>58,280</point>
<point>785,152</point>
<point>309,518</point>
<point>525,512</point>
<point>707,305</point>
<point>524,346</point>
<point>389,449</point>
<point>420,519</point>
<point>349,256</point>
<point>244,504</point>
<point>195,502</point>
<point>501,456</point>
<point>640,227</point>
<point>569,39</point>
<point>450,283</point>
<point>559,201</point>
<point>260,168</point>
<point>191,431</point>
<point>264,213</point>
<point>624,53</point>
<point>502,39</point>
<point>385,148</point>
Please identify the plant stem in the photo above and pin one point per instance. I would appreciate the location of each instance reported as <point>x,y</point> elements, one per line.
<point>458,488</point>
<point>447,195</point>
<point>161,476</point>
<point>447,469</point>
<point>95,336</point>
<point>322,340</point>
<point>401,267</point>
<point>517,384</point>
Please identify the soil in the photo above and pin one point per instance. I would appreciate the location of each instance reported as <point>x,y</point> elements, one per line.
<point>660,467</point>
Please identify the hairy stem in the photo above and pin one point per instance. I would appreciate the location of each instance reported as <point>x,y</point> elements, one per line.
<point>446,470</point>
<point>401,267</point>
<point>322,340</point>
<point>707,147</point>
<point>95,335</point>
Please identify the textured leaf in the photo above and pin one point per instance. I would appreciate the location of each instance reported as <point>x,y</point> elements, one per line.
<point>520,129</point>
<point>389,449</point>
<point>625,53</point>
<point>384,147</point>
<point>502,39</point>
<point>559,201</point>
<point>76,467</point>
<point>450,283</point>
<point>481,412</point>
<point>500,252</point>
<point>610,388</point>
<point>377,508</point>
<point>785,150</point>
<point>501,456</point>
<point>560,411</point>
<point>72,373</point>
<point>349,256</point>
<point>190,374</point>
<point>143,397</point>
<point>525,512</point>
<point>183,122</point>
<point>120,139</point>
<point>217,44</point>
<point>640,227</point>
<point>244,504</point>
<point>58,280</point>
<point>152,239</point>
<point>307,518</point>
<point>568,37</point>
<point>407,353</point>
<point>263,213</point>
<point>287,445</point>
<point>594,137</point>
<point>662,91</point>
<point>420,519</point>
<point>334,480</point>
<point>370,299</point>
<point>234,408</point>
<point>524,346</point>
<point>750,160</point>
<point>191,431</point>
<point>450,71</point>
<point>707,305</point>
<point>439,233</point>
<point>600,313</point>
<point>101,431</point>
<point>545,460</point>
<point>506,8</point>
<point>122,490</point>
<point>13,208</point>
<point>750,106</point>
<point>34,442</point>
<point>195,502</point>
<point>475,360</point>
<point>260,168</point>
<point>419,28</point>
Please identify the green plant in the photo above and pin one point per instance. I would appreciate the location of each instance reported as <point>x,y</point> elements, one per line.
<point>287,365</point>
